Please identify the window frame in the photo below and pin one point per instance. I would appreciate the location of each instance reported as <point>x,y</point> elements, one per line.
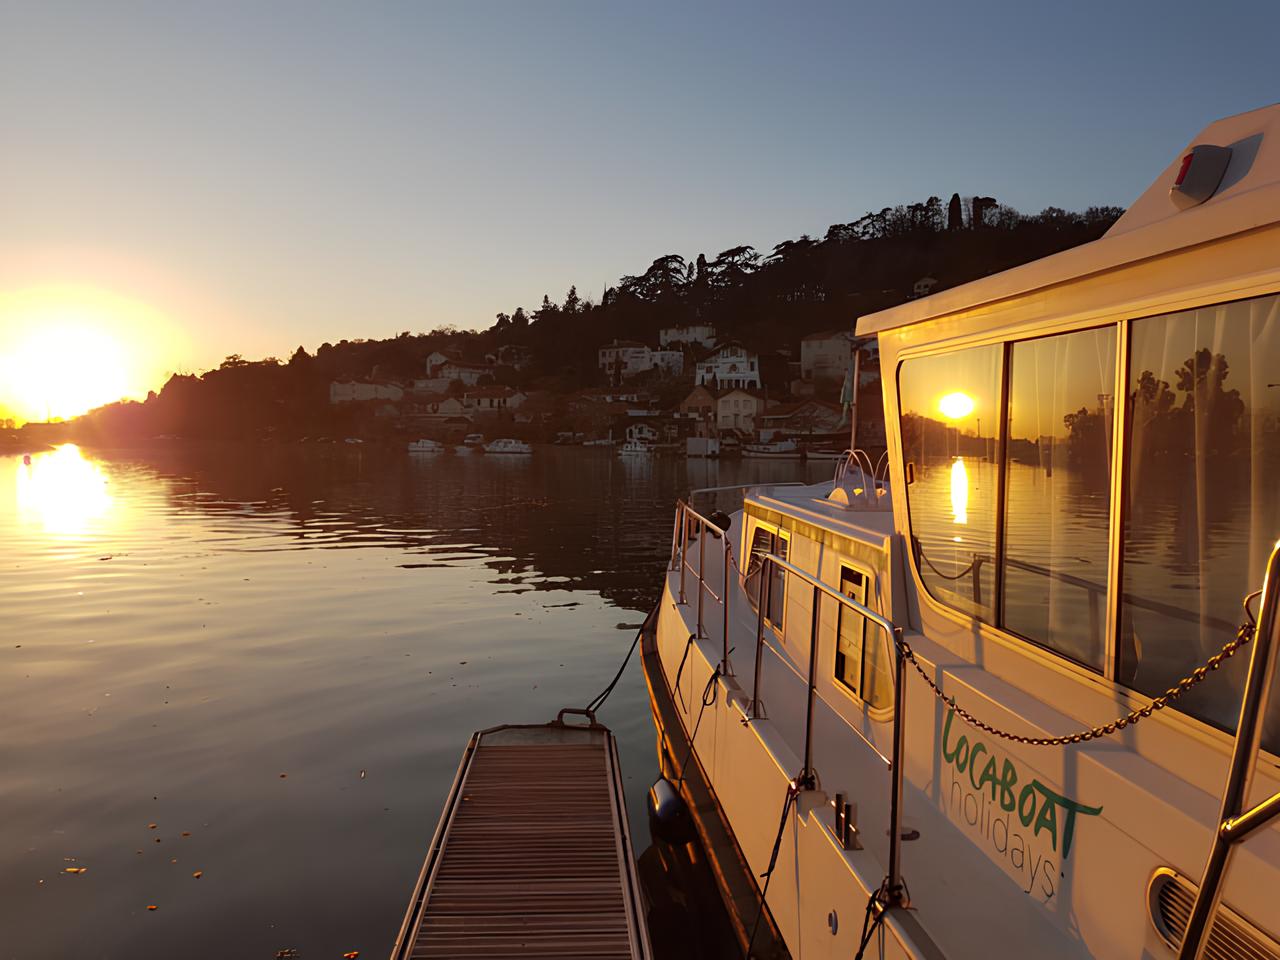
<point>1122,317</point>
<point>776,533</point>
<point>868,579</point>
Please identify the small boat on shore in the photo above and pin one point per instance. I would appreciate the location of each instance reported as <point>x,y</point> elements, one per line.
<point>774,450</point>
<point>508,446</point>
<point>635,448</point>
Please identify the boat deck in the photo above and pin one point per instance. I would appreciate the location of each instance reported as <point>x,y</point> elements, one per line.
<point>532,856</point>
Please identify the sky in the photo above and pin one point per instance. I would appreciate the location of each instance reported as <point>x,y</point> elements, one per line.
<point>218,178</point>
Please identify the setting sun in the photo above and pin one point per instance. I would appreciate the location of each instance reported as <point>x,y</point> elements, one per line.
<point>66,350</point>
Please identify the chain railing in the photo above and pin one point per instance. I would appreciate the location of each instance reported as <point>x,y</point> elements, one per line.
<point>1236,823</point>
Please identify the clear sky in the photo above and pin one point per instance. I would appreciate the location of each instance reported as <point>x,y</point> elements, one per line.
<point>254,176</point>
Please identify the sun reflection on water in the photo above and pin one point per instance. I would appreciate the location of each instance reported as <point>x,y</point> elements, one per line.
<point>62,492</point>
<point>959,491</point>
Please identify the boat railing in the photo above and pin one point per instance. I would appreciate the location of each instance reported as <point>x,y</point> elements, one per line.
<point>858,459</point>
<point>691,526</point>
<point>1236,823</point>
<point>894,890</point>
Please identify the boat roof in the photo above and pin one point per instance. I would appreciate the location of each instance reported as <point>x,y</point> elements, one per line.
<point>1248,197</point>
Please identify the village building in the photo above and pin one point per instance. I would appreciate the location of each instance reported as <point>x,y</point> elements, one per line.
<point>625,358</point>
<point>737,410</point>
<point>468,373</point>
<point>700,334</point>
<point>493,399</point>
<point>514,355</point>
<point>360,391</point>
<point>923,287</point>
<point>438,358</point>
<point>826,357</point>
<point>700,407</point>
<point>729,366</point>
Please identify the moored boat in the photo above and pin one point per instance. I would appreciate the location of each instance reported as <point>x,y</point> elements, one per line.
<point>635,448</point>
<point>508,446</point>
<point>426,446</point>
<point>772,450</point>
<point>1015,701</point>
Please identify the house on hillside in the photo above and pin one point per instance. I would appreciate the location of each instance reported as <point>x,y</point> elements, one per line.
<point>493,399</point>
<point>729,366</point>
<point>738,410</point>
<point>700,407</point>
<point>359,391</point>
<point>923,287</point>
<point>438,358</point>
<point>625,358</point>
<point>468,373</point>
<point>700,334</point>
<point>825,357</point>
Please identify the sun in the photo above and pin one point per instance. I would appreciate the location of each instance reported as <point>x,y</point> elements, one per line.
<point>66,350</point>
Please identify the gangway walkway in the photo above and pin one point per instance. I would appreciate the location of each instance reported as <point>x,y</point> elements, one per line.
<point>532,856</point>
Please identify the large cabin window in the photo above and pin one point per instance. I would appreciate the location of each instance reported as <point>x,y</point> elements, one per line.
<point>950,419</point>
<point>1202,496</point>
<point>1058,492</point>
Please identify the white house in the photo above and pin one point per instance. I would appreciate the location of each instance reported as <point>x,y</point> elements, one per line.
<point>627,357</point>
<point>438,358</point>
<point>924,286</point>
<point>668,361</point>
<point>493,399</point>
<point>730,366</point>
<point>468,373</point>
<point>737,410</point>
<point>354,391</point>
<point>701,334</point>
<point>826,356</point>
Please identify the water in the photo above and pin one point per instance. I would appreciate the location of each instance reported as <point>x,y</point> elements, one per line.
<point>275,657</point>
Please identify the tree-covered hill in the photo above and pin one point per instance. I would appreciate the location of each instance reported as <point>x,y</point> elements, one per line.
<point>768,300</point>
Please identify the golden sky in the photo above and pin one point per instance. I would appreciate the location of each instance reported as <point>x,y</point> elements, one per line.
<point>67,349</point>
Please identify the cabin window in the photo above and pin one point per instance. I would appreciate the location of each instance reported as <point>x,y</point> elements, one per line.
<point>861,660</point>
<point>1202,497</point>
<point>765,541</point>
<point>1058,492</point>
<point>950,418</point>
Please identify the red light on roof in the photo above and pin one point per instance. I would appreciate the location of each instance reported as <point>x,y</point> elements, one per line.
<point>1182,172</point>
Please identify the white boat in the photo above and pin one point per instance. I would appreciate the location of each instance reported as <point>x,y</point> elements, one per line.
<point>506,445</point>
<point>472,442</point>
<point>635,448</point>
<point>426,446</point>
<point>773,450</point>
<point>969,742</point>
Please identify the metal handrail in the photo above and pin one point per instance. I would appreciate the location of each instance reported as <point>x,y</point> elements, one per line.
<point>679,555</point>
<point>894,891</point>
<point>746,486</point>
<point>1236,823</point>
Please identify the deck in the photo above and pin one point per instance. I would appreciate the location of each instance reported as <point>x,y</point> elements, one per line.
<point>532,856</point>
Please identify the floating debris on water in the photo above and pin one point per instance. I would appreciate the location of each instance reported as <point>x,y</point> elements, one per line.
<point>152,906</point>
<point>198,874</point>
<point>76,870</point>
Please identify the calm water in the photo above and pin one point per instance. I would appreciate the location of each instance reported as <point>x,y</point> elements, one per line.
<point>263,665</point>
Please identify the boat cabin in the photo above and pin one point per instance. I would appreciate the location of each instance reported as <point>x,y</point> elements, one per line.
<point>1081,487</point>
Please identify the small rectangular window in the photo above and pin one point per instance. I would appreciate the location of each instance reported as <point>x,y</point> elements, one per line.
<point>765,541</point>
<point>861,663</point>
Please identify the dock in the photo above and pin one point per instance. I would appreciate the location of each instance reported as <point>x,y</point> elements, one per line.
<point>532,855</point>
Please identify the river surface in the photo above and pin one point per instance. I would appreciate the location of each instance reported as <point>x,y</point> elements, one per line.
<point>235,683</point>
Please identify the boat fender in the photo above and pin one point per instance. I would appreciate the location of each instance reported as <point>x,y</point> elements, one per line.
<point>721,520</point>
<point>669,817</point>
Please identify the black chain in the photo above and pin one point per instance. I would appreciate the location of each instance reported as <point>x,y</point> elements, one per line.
<point>1243,635</point>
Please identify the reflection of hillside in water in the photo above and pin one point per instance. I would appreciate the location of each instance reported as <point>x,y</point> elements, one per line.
<point>564,518</point>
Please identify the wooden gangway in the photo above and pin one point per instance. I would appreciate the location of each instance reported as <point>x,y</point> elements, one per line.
<point>532,855</point>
